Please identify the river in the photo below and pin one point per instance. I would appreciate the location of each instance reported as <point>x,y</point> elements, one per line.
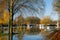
<point>29,37</point>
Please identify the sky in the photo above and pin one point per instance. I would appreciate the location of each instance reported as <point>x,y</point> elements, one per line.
<point>49,10</point>
<point>48,7</point>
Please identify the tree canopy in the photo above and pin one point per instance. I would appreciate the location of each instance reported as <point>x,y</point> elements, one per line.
<point>33,20</point>
<point>46,20</point>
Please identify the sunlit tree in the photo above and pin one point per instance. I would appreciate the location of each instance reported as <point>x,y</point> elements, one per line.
<point>46,20</point>
<point>3,5</point>
<point>6,17</point>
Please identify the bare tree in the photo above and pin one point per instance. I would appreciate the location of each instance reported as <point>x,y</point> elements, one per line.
<point>57,8</point>
<point>22,7</point>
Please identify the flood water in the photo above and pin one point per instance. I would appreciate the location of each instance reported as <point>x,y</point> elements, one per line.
<point>29,37</point>
<point>25,36</point>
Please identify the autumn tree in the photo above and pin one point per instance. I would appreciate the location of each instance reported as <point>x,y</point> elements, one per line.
<point>1,16</point>
<point>46,20</point>
<point>20,20</point>
<point>6,17</point>
<point>3,5</point>
<point>33,20</point>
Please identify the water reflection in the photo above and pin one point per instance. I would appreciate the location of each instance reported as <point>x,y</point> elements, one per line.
<point>33,37</point>
<point>4,38</point>
<point>15,37</point>
<point>29,37</point>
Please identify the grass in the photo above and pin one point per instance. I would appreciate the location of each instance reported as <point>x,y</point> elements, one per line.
<point>4,34</point>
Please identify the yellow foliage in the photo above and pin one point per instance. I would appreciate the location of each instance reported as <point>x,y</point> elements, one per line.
<point>6,16</point>
<point>0,21</point>
<point>3,5</point>
<point>1,17</point>
<point>46,20</point>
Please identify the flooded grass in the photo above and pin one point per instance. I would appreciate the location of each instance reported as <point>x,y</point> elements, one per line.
<point>4,34</point>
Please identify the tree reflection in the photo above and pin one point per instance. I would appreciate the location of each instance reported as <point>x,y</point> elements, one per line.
<point>4,38</point>
<point>21,32</point>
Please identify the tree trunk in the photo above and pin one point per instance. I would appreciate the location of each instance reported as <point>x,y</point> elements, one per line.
<point>10,20</point>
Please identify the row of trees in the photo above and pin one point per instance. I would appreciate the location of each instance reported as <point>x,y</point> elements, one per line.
<point>32,20</point>
<point>29,20</point>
